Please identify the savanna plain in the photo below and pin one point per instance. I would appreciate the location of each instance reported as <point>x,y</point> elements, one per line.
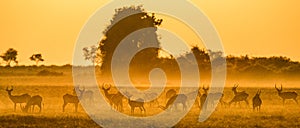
<point>52,82</point>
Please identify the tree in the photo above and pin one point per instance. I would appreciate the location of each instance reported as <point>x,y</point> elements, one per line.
<point>9,56</point>
<point>92,53</point>
<point>125,22</point>
<point>37,58</point>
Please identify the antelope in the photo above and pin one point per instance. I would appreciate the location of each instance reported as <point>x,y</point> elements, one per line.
<point>35,100</point>
<point>135,103</point>
<point>286,95</point>
<point>117,101</point>
<point>87,96</point>
<point>217,96</point>
<point>108,95</point>
<point>256,101</point>
<point>114,99</point>
<point>239,96</point>
<point>170,93</point>
<point>175,100</point>
<point>17,99</point>
<point>73,99</point>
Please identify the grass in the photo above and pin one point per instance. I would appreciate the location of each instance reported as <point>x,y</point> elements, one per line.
<point>16,120</point>
<point>52,88</point>
<point>272,116</point>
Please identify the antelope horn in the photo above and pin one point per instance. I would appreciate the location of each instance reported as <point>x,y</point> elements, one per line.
<point>235,85</point>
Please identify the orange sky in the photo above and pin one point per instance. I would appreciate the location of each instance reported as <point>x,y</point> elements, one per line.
<point>257,28</point>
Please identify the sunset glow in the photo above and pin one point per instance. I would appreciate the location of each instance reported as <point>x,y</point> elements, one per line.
<point>256,28</point>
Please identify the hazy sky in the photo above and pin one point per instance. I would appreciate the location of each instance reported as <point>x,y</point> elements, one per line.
<point>256,28</point>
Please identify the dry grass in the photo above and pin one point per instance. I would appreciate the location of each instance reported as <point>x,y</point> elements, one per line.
<point>52,88</point>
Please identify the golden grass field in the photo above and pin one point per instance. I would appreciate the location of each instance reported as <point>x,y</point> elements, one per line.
<point>52,88</point>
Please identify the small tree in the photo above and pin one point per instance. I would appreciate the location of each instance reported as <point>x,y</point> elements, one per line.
<point>10,55</point>
<point>37,58</point>
<point>92,53</point>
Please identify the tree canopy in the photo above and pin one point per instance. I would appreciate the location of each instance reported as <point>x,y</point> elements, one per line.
<point>9,56</point>
<point>127,20</point>
<point>37,58</point>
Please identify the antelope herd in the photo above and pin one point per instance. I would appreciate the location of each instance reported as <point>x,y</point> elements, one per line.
<point>204,98</point>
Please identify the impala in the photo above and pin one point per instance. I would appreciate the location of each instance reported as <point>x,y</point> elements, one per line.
<point>108,95</point>
<point>115,100</point>
<point>87,96</point>
<point>175,100</point>
<point>239,96</point>
<point>17,99</point>
<point>170,93</point>
<point>211,98</point>
<point>286,95</point>
<point>138,103</point>
<point>35,100</point>
<point>256,101</point>
<point>73,99</point>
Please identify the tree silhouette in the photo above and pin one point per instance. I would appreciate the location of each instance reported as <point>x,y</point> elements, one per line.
<point>37,58</point>
<point>9,56</point>
<point>126,21</point>
<point>92,53</point>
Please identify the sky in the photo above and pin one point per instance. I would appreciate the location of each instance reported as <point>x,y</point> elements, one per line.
<point>256,28</point>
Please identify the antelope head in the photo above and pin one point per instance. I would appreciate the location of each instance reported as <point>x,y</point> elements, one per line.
<point>205,89</point>
<point>9,90</point>
<point>235,86</point>
<point>106,89</point>
<point>279,90</point>
<point>258,92</point>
